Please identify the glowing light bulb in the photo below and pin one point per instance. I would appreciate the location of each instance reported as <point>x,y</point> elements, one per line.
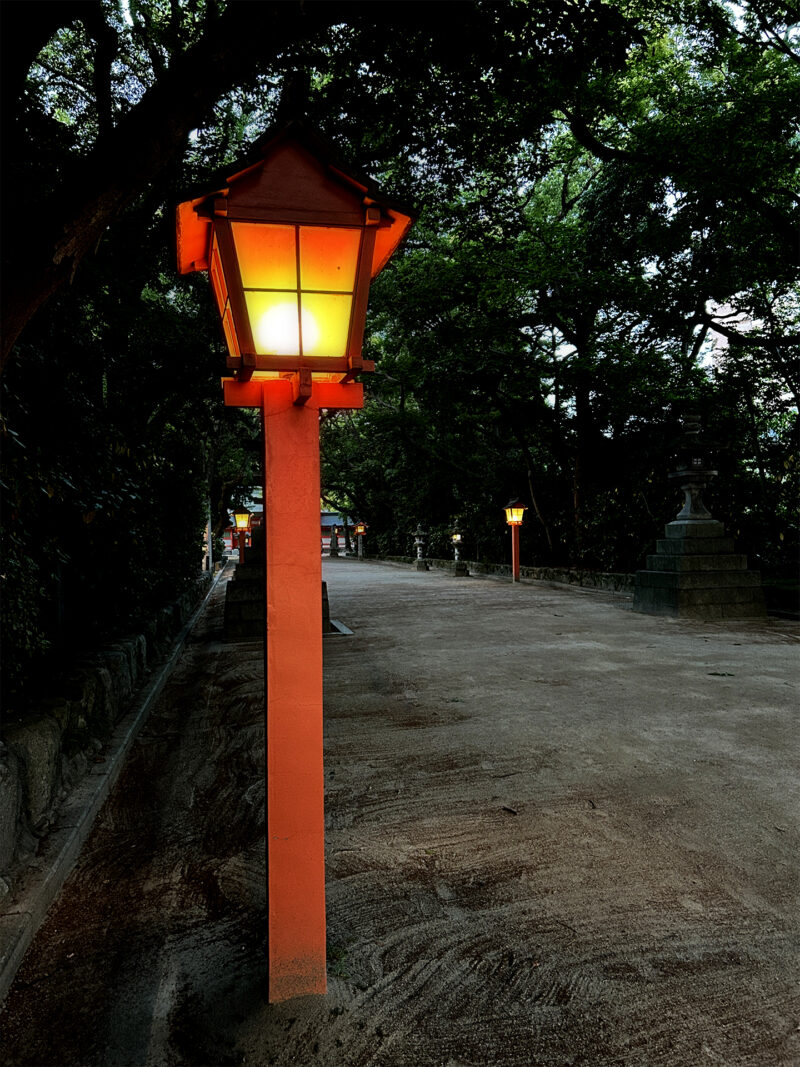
<point>276,330</point>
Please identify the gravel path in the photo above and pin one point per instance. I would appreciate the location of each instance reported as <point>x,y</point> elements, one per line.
<point>557,833</point>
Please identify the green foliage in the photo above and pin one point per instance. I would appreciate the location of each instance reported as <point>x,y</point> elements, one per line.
<point>548,328</point>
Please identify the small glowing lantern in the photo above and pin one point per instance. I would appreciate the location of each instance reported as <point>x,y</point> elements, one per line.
<point>359,530</point>
<point>514,509</point>
<point>241,521</point>
<point>291,241</point>
<point>459,567</point>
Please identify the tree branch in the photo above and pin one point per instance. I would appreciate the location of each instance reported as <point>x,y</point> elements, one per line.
<point>41,252</point>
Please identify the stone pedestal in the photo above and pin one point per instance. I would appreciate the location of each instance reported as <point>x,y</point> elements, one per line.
<point>695,573</point>
<point>244,595</point>
<point>419,565</point>
<point>460,569</point>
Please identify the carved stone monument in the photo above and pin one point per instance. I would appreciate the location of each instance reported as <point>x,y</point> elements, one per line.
<point>419,543</point>
<point>695,572</point>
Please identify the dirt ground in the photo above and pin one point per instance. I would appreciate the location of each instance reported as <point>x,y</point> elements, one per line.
<point>558,832</point>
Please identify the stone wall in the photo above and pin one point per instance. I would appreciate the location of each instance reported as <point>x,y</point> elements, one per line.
<point>46,751</point>
<point>616,582</point>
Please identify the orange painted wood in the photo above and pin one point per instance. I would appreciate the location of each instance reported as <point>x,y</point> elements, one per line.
<point>293,661</point>
<point>295,783</point>
<point>335,395</point>
<point>323,394</point>
<point>515,553</point>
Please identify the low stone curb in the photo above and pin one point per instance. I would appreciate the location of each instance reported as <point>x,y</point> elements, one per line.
<point>46,874</point>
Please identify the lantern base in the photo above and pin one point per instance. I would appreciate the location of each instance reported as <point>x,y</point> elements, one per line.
<point>695,573</point>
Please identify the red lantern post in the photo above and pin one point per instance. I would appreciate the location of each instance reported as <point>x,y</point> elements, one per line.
<point>514,509</point>
<point>291,241</point>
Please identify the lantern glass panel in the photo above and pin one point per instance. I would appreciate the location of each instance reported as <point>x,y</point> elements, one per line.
<point>325,323</point>
<point>274,322</point>
<point>267,255</point>
<point>328,258</point>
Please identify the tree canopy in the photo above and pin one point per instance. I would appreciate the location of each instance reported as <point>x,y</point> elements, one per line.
<point>608,239</point>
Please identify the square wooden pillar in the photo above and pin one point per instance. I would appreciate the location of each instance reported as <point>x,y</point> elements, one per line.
<point>293,668</point>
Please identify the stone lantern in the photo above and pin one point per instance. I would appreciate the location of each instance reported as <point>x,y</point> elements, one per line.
<point>419,544</point>
<point>695,572</point>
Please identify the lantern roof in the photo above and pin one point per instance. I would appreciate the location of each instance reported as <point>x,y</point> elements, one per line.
<point>290,173</point>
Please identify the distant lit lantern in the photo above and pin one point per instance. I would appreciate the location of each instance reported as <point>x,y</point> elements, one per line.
<point>460,569</point>
<point>359,530</point>
<point>291,241</point>
<point>514,509</point>
<point>241,519</point>
<point>241,522</point>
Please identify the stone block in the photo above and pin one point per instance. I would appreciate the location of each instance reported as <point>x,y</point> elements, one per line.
<point>37,745</point>
<point>730,596</point>
<point>104,712</point>
<point>115,661</point>
<point>694,546</point>
<point>734,561</point>
<point>719,579</point>
<point>251,574</point>
<point>243,592</point>
<point>10,806</point>
<point>127,648</point>
<point>694,528</point>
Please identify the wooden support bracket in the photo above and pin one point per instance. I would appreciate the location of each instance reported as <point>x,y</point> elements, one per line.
<point>301,387</point>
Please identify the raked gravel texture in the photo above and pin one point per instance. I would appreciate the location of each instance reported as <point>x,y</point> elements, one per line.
<point>558,832</point>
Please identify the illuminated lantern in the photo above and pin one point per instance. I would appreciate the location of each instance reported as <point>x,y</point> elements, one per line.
<point>241,520</point>
<point>460,569</point>
<point>291,241</point>
<point>514,509</point>
<point>359,530</point>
